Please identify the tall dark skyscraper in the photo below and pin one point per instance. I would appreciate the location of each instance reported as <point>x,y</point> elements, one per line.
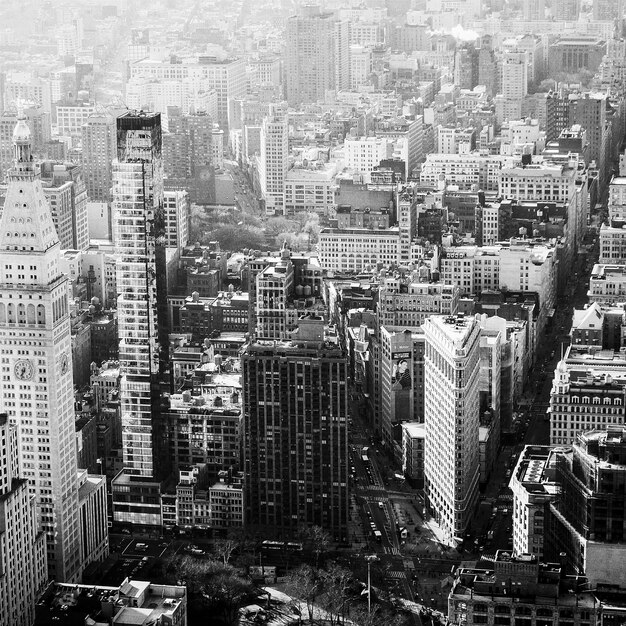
<point>296,432</point>
<point>139,244</point>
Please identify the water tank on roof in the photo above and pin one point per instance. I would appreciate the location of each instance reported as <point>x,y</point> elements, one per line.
<point>218,360</point>
<point>523,231</point>
<point>195,296</point>
<point>95,301</point>
<point>307,290</point>
<point>186,396</point>
<point>299,290</point>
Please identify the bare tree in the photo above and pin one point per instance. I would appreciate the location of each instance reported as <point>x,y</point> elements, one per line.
<point>224,548</point>
<point>337,582</point>
<point>317,540</point>
<point>304,584</point>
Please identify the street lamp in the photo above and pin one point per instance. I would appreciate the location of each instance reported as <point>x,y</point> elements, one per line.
<point>370,559</point>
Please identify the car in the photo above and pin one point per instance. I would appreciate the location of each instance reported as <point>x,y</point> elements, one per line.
<point>141,546</point>
<point>381,505</point>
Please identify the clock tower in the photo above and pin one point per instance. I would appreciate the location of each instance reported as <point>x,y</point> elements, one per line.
<point>35,358</point>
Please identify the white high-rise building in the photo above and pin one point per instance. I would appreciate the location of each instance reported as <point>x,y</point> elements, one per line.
<point>176,213</point>
<point>451,418</point>
<point>37,391</point>
<point>515,74</point>
<point>273,162</point>
<point>360,66</point>
<point>363,154</point>
<point>137,211</point>
<point>23,547</point>
<point>317,55</point>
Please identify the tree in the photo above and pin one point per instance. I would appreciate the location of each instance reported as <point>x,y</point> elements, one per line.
<point>225,593</point>
<point>304,584</point>
<point>236,237</point>
<point>277,225</point>
<point>337,582</point>
<point>224,548</point>
<point>316,540</point>
<point>379,615</point>
<point>214,586</point>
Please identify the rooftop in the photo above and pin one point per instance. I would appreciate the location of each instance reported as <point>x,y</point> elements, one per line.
<point>415,430</point>
<point>73,605</point>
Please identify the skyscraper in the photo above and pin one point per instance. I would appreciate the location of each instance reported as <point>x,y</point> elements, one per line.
<point>65,189</point>
<point>534,10</point>
<point>98,152</point>
<point>23,549</point>
<point>515,74</point>
<point>38,122</point>
<point>566,10</point>
<point>296,432</point>
<point>608,9</point>
<point>187,155</point>
<point>451,417</point>
<point>317,55</point>
<point>37,392</point>
<point>138,220</point>
<point>274,162</point>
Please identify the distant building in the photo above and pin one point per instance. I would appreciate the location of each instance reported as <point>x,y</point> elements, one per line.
<point>98,141</point>
<point>316,56</point>
<point>273,162</point>
<point>177,217</point>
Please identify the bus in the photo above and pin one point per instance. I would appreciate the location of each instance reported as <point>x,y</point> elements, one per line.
<point>378,535</point>
<point>281,546</point>
<point>365,454</point>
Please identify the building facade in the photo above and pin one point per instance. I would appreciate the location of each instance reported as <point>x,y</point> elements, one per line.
<point>296,432</point>
<point>37,391</point>
<point>451,418</point>
<point>138,211</point>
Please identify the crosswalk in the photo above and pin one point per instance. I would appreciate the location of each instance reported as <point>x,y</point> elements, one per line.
<point>396,574</point>
<point>392,550</point>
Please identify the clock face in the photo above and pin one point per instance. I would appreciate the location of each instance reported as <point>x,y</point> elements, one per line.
<point>64,363</point>
<point>23,369</point>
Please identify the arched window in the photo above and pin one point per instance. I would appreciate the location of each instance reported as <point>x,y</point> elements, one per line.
<point>30,314</point>
<point>41,314</point>
<point>11,313</point>
<point>3,313</point>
